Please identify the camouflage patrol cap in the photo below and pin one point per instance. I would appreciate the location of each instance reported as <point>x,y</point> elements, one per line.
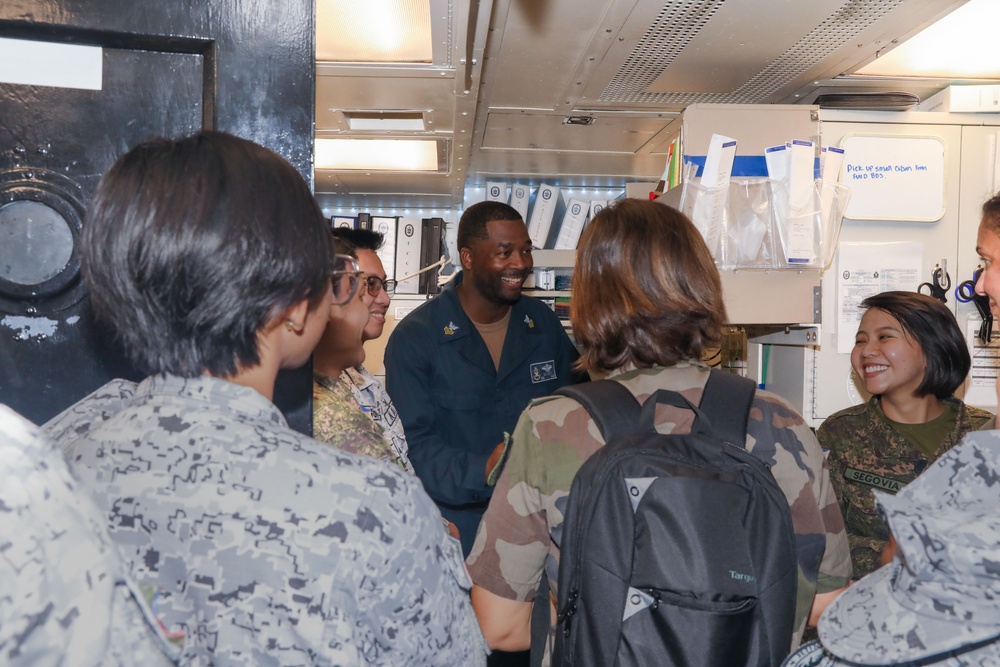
<point>940,596</point>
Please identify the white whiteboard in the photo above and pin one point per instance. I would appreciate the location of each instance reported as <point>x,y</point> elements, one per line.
<point>894,177</point>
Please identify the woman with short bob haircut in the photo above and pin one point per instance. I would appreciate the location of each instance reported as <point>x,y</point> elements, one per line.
<point>932,326</point>
<point>189,289</point>
<point>667,307</point>
<point>911,356</point>
<point>647,305</point>
<point>211,261</point>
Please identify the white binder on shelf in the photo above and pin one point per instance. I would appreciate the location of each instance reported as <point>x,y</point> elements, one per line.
<point>520,197</point>
<point>546,202</point>
<point>596,206</point>
<point>387,226</point>
<point>496,191</point>
<point>572,224</point>
<point>408,237</point>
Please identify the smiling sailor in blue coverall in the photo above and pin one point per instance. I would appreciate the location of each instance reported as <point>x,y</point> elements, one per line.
<point>462,367</point>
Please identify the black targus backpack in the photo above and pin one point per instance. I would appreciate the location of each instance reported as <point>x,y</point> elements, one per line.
<point>676,549</point>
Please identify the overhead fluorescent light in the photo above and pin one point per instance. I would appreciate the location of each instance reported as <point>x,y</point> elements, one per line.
<point>962,45</point>
<point>369,121</point>
<point>377,154</point>
<point>373,31</point>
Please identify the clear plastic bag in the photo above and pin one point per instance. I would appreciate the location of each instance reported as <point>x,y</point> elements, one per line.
<point>751,224</point>
<point>810,233</point>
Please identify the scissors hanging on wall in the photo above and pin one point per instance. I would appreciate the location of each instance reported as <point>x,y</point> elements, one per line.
<point>966,292</point>
<point>938,286</point>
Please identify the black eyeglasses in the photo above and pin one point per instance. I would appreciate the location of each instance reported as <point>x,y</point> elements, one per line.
<point>345,278</point>
<point>374,284</point>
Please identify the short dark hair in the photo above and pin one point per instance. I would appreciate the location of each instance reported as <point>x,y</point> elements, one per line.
<point>190,247</point>
<point>646,290</point>
<point>472,224</point>
<point>933,326</point>
<point>341,245</point>
<point>991,214</point>
<point>363,239</point>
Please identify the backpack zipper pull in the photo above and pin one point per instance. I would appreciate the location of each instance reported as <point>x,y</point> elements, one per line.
<point>566,616</point>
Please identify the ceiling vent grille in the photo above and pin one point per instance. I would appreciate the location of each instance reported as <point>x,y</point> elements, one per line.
<point>675,26</point>
<point>679,23</point>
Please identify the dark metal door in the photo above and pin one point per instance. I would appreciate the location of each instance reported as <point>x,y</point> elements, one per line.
<point>169,68</point>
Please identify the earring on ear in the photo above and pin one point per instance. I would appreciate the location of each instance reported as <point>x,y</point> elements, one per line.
<point>290,325</point>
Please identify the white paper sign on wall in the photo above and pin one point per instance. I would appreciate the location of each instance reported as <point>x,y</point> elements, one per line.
<point>894,177</point>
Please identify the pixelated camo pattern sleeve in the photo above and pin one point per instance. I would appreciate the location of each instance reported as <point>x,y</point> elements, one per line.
<point>64,596</point>
<point>421,596</point>
<point>76,421</point>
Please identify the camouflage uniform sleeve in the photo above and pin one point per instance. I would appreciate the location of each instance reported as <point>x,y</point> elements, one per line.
<point>835,435</point>
<point>780,436</point>
<point>843,434</point>
<point>419,595</point>
<point>98,406</point>
<point>975,419</point>
<point>835,570</point>
<point>64,596</point>
<point>513,538</point>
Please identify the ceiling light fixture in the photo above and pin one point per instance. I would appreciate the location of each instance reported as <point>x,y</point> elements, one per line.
<point>373,31</point>
<point>377,154</point>
<point>962,45</point>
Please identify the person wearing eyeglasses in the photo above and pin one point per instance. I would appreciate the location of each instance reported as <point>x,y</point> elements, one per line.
<point>376,293</point>
<point>339,418</point>
<point>209,259</point>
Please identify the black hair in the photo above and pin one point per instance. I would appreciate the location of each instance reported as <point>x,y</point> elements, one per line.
<point>190,247</point>
<point>362,239</point>
<point>472,224</point>
<point>936,331</point>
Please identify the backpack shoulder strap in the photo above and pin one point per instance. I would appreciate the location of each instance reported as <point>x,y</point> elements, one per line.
<point>726,402</point>
<point>612,406</point>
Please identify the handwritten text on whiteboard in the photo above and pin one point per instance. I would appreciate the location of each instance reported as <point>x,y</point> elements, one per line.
<point>894,177</point>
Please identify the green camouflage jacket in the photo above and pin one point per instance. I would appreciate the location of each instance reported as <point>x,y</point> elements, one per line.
<point>339,420</point>
<point>522,529</point>
<point>867,453</point>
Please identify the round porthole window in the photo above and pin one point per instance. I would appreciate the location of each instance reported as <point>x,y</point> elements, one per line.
<point>40,217</point>
<point>35,243</point>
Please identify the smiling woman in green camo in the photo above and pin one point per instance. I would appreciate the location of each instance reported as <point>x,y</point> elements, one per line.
<point>911,356</point>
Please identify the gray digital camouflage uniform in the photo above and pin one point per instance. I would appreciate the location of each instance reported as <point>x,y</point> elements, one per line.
<point>522,529</point>
<point>64,596</point>
<point>938,601</point>
<point>264,546</point>
<point>866,453</point>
